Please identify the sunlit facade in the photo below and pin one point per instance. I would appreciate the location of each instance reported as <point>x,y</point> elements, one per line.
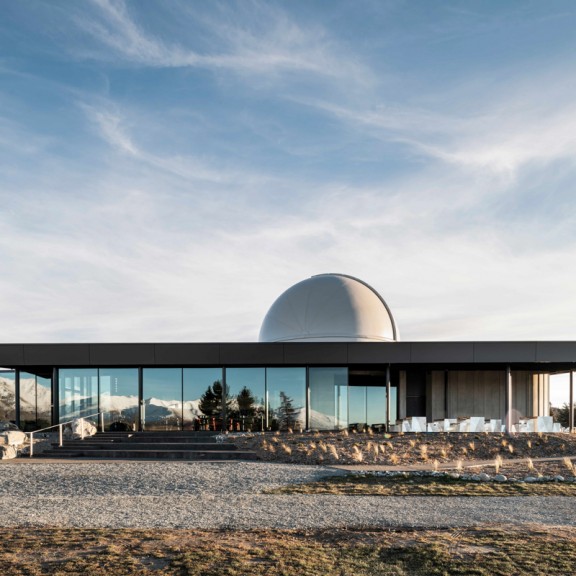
<point>329,357</point>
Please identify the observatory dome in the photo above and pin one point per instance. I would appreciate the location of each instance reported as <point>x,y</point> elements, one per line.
<point>329,308</point>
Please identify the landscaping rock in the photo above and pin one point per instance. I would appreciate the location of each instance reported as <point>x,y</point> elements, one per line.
<point>12,438</point>
<point>7,452</point>
<point>80,427</point>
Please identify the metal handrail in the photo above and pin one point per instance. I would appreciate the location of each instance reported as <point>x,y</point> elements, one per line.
<point>61,429</point>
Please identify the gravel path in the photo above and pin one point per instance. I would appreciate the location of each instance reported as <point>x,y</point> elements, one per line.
<point>229,495</point>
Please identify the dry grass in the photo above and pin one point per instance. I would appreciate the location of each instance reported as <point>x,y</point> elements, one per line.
<point>497,551</point>
<point>393,449</point>
<point>373,485</point>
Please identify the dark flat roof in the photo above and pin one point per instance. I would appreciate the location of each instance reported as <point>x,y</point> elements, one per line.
<point>557,354</point>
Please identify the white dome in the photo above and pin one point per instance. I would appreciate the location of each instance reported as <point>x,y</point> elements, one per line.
<point>329,308</point>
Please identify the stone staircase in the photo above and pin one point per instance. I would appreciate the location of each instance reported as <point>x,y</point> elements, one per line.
<point>188,445</point>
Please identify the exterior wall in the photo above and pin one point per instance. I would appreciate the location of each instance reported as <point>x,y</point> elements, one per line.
<point>416,392</point>
<point>402,395</point>
<point>531,394</point>
<point>483,393</point>
<point>476,393</point>
<point>436,395</point>
<point>479,393</point>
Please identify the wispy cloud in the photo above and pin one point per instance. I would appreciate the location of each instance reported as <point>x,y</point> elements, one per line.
<point>263,39</point>
<point>113,128</point>
<point>515,132</point>
<point>144,199</point>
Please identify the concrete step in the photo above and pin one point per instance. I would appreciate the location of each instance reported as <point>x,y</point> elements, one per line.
<point>131,454</point>
<point>124,445</point>
<point>145,440</point>
<point>188,445</point>
<point>156,434</point>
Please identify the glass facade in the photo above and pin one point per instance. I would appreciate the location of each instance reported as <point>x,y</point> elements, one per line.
<point>119,398</point>
<point>367,406</point>
<point>35,402</point>
<point>8,395</point>
<point>246,392</point>
<point>78,391</point>
<point>162,399</point>
<point>202,398</point>
<point>207,398</point>
<point>328,398</point>
<point>286,398</point>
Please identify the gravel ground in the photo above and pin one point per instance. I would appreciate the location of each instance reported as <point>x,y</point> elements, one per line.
<point>229,495</point>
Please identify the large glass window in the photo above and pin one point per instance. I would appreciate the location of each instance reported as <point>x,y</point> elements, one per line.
<point>43,402</point>
<point>328,398</point>
<point>246,389</point>
<point>202,398</point>
<point>162,399</point>
<point>28,401</point>
<point>8,395</point>
<point>367,399</point>
<point>119,398</point>
<point>286,395</point>
<point>367,406</point>
<point>78,392</point>
<point>35,401</point>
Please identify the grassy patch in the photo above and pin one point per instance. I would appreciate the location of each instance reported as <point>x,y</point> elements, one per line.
<point>336,552</point>
<point>372,485</point>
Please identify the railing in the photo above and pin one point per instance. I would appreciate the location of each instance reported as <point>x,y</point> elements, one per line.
<point>61,429</point>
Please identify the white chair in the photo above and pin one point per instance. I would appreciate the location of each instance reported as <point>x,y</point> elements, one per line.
<point>476,424</point>
<point>418,423</point>
<point>450,424</point>
<point>495,425</point>
<point>545,423</point>
<point>464,425</point>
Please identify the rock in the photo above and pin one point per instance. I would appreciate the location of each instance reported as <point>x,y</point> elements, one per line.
<point>13,438</point>
<point>500,478</point>
<point>7,452</point>
<point>476,478</point>
<point>530,479</point>
<point>559,478</point>
<point>79,424</point>
<point>484,477</point>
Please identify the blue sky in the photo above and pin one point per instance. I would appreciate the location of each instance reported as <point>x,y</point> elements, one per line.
<point>167,169</point>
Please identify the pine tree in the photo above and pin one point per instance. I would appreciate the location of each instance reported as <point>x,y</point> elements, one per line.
<point>246,402</point>
<point>562,415</point>
<point>286,412</point>
<point>211,401</point>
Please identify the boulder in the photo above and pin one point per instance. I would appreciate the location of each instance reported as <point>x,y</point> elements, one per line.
<point>82,428</point>
<point>7,452</point>
<point>12,438</point>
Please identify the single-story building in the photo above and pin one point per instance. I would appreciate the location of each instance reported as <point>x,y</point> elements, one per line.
<point>329,356</point>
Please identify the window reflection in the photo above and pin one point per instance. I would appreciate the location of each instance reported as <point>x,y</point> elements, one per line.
<point>245,389</point>
<point>78,392</point>
<point>202,408</point>
<point>119,398</point>
<point>328,398</point>
<point>286,395</point>
<point>35,402</point>
<point>8,396</point>
<point>162,399</point>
